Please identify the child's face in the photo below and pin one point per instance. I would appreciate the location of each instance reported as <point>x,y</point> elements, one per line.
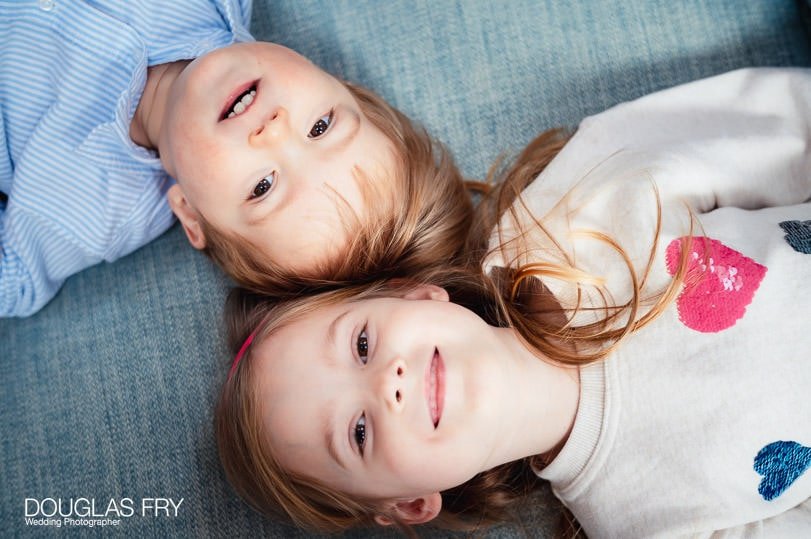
<point>275,172</point>
<point>386,398</point>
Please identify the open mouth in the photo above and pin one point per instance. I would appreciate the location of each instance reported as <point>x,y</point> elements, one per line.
<point>435,388</point>
<point>240,100</point>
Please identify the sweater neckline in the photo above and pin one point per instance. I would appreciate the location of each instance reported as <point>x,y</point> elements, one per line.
<point>585,435</point>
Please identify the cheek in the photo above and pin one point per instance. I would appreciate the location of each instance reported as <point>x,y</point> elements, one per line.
<point>420,469</point>
<point>197,158</point>
<point>406,453</point>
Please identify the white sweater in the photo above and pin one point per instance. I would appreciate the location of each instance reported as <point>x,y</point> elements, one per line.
<point>681,431</point>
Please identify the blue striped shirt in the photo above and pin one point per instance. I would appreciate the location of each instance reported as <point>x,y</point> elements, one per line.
<point>71,75</point>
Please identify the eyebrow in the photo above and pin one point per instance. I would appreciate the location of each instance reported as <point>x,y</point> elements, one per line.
<point>329,430</point>
<point>332,446</point>
<point>333,330</point>
<point>358,121</point>
<point>259,218</point>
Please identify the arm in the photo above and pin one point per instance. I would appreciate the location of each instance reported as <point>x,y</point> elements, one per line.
<point>738,139</point>
<point>35,259</point>
<point>237,14</point>
<point>792,523</point>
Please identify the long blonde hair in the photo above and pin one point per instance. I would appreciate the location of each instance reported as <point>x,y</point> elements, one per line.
<point>425,222</point>
<point>506,297</point>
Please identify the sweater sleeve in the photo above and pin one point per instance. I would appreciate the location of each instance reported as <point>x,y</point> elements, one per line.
<point>739,139</point>
<point>792,523</point>
<point>743,141</point>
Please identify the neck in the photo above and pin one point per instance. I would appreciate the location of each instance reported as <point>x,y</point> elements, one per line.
<point>146,123</point>
<point>540,405</point>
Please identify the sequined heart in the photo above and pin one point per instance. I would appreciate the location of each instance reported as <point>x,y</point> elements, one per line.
<point>780,463</point>
<point>798,235</point>
<point>719,284</point>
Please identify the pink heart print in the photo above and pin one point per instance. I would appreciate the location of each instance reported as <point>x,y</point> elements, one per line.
<point>719,284</point>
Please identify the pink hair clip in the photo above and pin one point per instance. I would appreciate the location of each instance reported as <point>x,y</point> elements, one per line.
<point>241,352</point>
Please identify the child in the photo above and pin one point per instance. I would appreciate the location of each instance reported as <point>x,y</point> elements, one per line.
<point>280,169</point>
<point>645,351</point>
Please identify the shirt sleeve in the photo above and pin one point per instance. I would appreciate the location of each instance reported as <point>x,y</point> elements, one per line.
<point>238,18</point>
<point>35,259</point>
<point>243,12</point>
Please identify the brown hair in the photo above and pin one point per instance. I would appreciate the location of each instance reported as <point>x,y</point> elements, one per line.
<point>426,222</point>
<point>506,297</point>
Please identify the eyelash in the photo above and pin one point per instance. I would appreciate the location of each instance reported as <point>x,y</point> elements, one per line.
<point>360,433</point>
<point>362,349</point>
<point>264,186</point>
<point>362,342</point>
<point>329,118</point>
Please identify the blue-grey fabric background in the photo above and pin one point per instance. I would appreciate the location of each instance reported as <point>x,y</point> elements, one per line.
<point>108,392</point>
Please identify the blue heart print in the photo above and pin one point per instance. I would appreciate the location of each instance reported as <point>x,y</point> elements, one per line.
<point>780,464</point>
<point>798,235</point>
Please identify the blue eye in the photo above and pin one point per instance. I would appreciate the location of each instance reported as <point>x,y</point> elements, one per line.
<point>264,185</point>
<point>360,433</point>
<point>322,125</point>
<point>362,346</point>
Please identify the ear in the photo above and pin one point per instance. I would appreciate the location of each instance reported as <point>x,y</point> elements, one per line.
<point>427,291</point>
<point>188,216</point>
<point>414,511</point>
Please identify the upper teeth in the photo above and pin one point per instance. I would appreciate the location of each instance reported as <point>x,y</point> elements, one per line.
<point>242,104</point>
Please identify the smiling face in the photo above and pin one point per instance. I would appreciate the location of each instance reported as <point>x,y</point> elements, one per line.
<point>387,399</point>
<point>266,145</point>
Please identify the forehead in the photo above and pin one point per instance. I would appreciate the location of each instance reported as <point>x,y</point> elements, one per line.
<point>307,340</point>
<point>288,364</point>
<point>293,378</point>
<point>302,333</point>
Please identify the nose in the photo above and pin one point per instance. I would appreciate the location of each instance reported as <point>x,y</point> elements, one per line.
<point>392,386</point>
<point>273,129</point>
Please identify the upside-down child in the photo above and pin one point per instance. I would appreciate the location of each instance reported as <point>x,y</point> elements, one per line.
<point>117,115</point>
<point>641,342</point>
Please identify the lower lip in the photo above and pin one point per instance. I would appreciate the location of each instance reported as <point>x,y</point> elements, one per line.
<point>437,369</point>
